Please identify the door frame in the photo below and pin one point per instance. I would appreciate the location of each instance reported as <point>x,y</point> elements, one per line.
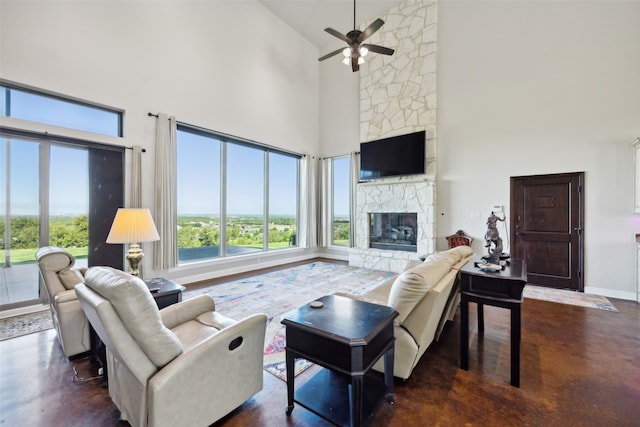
<point>576,270</point>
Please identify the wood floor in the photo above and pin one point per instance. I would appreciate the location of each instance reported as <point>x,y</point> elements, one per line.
<point>579,367</point>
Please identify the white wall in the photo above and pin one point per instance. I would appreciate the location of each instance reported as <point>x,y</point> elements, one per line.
<point>524,87</point>
<point>339,108</point>
<point>228,66</point>
<point>536,87</point>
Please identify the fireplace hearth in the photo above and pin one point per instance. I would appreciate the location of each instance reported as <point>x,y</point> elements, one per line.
<point>393,231</point>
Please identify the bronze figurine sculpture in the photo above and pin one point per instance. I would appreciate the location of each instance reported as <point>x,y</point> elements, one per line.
<point>492,236</point>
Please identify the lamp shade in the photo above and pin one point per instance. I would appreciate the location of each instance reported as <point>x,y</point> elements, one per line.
<point>133,226</point>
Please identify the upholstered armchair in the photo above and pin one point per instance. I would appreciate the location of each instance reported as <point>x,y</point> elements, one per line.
<point>60,278</point>
<point>459,239</point>
<point>183,365</point>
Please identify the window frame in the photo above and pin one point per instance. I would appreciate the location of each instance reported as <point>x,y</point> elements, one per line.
<point>332,203</point>
<point>225,140</point>
<point>10,86</point>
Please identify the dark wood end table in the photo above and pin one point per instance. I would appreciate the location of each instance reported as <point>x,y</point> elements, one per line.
<point>346,337</point>
<point>496,288</point>
<point>164,291</point>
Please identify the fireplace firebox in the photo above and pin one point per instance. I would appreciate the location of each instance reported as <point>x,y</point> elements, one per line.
<point>393,231</point>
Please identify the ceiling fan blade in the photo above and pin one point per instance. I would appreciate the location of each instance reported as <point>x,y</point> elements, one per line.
<point>338,35</point>
<point>329,55</point>
<point>378,49</point>
<point>354,63</point>
<point>375,26</point>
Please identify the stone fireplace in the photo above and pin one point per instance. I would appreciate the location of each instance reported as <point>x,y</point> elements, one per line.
<point>393,231</point>
<point>398,96</point>
<point>400,196</point>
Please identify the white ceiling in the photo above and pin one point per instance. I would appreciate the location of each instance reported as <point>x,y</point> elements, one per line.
<point>311,17</point>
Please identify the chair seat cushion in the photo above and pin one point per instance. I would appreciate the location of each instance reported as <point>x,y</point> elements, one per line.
<point>192,333</point>
<point>138,311</point>
<point>215,320</point>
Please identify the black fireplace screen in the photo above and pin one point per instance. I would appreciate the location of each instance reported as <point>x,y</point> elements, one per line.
<point>393,231</point>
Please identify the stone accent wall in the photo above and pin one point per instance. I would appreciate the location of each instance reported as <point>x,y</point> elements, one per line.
<point>414,196</point>
<point>398,96</point>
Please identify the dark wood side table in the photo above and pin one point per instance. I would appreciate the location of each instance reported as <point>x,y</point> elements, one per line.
<point>165,292</point>
<point>496,288</point>
<point>346,337</point>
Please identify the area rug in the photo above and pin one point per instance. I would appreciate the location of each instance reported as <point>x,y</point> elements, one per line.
<point>568,297</point>
<point>280,291</point>
<point>24,324</point>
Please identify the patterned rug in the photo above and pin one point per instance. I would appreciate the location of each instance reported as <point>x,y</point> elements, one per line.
<point>17,326</point>
<point>568,297</point>
<point>280,291</point>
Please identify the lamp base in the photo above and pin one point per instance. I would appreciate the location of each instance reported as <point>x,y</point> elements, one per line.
<point>134,256</point>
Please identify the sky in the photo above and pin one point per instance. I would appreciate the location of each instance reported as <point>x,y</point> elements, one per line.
<point>341,187</point>
<point>197,161</point>
<point>198,189</point>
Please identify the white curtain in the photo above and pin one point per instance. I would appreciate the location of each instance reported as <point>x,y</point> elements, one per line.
<point>308,233</point>
<point>354,170</point>
<point>326,207</point>
<point>136,177</point>
<point>165,253</point>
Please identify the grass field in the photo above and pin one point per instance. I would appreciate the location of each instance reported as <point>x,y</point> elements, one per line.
<point>25,256</point>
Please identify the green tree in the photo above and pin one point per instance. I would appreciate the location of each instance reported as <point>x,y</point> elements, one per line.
<point>188,237</point>
<point>25,232</point>
<point>208,236</point>
<point>81,224</point>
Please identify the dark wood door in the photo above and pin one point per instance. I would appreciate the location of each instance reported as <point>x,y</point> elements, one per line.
<point>547,216</point>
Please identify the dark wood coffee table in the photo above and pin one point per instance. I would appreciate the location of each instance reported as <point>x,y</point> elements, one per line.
<point>496,288</point>
<point>346,337</point>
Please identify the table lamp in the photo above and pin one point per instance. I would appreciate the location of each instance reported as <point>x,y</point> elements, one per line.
<point>133,226</point>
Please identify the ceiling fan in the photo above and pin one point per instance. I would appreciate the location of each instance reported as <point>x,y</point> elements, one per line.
<point>356,51</point>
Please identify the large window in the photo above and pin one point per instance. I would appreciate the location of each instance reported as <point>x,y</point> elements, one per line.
<point>283,200</point>
<point>47,185</point>
<point>340,201</point>
<point>234,197</point>
<point>36,106</point>
<point>245,199</point>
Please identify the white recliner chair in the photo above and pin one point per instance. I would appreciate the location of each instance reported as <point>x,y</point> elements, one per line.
<point>60,278</point>
<point>183,365</point>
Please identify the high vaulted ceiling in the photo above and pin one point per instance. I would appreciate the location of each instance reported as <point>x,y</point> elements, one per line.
<point>311,17</point>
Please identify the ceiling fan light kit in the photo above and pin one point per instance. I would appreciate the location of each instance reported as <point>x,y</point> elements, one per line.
<point>356,51</point>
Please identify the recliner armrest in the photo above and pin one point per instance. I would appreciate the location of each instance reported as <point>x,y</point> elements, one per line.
<point>65,296</point>
<point>184,311</point>
<point>215,372</point>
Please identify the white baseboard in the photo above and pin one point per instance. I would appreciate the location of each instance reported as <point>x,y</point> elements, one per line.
<point>237,264</point>
<point>631,296</point>
<point>23,310</point>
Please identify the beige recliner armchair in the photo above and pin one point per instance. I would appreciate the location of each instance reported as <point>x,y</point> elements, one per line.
<point>183,365</point>
<point>60,278</point>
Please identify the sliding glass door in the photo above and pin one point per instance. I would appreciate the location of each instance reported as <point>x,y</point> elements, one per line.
<point>20,221</point>
<point>43,201</point>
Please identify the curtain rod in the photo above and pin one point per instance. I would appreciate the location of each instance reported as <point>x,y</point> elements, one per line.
<point>5,130</point>
<point>144,150</point>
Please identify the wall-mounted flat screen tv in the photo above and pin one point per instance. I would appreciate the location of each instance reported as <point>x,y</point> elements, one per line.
<point>394,156</point>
